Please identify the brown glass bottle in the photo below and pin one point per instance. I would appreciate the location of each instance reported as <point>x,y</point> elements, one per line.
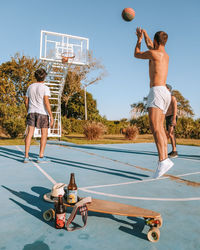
<point>72,191</point>
<point>59,213</point>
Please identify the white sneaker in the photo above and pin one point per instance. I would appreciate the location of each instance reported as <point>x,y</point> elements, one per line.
<point>163,167</point>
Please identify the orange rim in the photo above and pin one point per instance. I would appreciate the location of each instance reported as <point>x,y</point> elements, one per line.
<point>66,58</point>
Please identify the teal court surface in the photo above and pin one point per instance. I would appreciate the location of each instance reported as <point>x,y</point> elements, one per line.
<point>119,172</point>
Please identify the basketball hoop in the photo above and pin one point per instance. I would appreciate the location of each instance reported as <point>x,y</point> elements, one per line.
<point>66,56</point>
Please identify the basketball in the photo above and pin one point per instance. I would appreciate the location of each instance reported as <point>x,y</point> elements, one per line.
<point>128,14</point>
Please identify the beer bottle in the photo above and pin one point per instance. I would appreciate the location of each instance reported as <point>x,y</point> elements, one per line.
<point>59,213</point>
<point>72,191</point>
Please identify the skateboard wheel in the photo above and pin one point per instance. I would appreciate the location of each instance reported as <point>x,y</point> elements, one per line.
<point>160,220</point>
<point>153,235</point>
<point>49,215</point>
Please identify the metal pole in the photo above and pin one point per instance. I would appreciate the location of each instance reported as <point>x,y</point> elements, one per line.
<point>85,102</point>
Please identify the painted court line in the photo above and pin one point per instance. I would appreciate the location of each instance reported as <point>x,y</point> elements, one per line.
<point>85,189</point>
<point>141,198</point>
<point>39,168</point>
<point>133,182</point>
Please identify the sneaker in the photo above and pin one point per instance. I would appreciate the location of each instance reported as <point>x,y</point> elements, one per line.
<point>26,159</point>
<point>173,154</point>
<point>42,160</point>
<point>163,167</point>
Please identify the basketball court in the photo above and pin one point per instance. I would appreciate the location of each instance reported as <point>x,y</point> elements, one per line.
<point>119,172</point>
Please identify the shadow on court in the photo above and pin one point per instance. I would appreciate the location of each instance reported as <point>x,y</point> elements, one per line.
<point>12,154</point>
<point>100,169</point>
<point>117,150</point>
<point>33,200</point>
<point>135,226</point>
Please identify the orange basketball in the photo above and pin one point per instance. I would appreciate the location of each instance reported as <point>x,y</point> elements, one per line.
<point>128,14</point>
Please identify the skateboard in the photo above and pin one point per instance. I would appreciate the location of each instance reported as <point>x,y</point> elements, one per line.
<point>152,219</point>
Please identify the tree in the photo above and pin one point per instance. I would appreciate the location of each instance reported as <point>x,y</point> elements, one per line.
<point>87,74</point>
<point>183,105</point>
<point>76,107</point>
<point>15,77</point>
<point>72,86</point>
<point>138,109</point>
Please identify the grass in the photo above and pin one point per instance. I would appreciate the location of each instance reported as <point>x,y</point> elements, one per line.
<point>18,141</point>
<point>114,139</point>
<point>107,139</point>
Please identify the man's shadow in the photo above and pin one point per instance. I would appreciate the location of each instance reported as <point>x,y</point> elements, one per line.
<point>33,200</point>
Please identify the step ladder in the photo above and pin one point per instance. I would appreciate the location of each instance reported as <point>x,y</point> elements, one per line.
<point>53,46</point>
<point>55,80</point>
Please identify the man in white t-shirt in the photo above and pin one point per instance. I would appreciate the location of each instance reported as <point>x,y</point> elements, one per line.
<point>39,111</point>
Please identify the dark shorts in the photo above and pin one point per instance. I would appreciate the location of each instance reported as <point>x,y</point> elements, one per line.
<point>169,121</point>
<point>37,120</point>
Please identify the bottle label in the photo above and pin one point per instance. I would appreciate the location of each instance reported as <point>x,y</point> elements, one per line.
<point>72,196</point>
<point>60,220</point>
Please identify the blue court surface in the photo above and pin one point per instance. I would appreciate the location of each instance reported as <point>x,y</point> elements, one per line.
<point>119,172</point>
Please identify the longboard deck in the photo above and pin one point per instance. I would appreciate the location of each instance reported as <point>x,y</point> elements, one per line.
<point>116,208</point>
<point>152,219</point>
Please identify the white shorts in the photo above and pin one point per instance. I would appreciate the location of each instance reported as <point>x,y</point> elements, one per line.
<point>159,97</point>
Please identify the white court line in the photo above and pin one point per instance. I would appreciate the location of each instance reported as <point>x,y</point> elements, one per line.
<point>133,182</point>
<point>141,198</point>
<point>119,196</point>
<point>38,167</point>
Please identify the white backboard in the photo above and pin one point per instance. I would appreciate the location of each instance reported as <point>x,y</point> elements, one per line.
<point>53,45</point>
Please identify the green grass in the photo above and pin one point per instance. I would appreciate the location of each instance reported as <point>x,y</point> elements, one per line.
<point>107,139</point>
<point>114,139</point>
<point>18,141</point>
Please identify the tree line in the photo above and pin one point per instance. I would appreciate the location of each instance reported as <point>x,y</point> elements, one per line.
<point>186,127</point>
<point>18,73</point>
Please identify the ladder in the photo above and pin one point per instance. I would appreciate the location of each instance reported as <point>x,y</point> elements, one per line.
<point>55,80</point>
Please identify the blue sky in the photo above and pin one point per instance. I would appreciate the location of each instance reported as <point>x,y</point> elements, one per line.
<point>112,40</point>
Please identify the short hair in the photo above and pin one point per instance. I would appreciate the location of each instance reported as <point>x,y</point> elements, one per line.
<point>40,75</point>
<point>161,37</point>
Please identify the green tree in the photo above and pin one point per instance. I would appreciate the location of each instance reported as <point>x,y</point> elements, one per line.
<point>15,77</point>
<point>76,107</point>
<point>183,106</point>
<point>138,109</point>
<point>87,74</point>
<point>142,123</point>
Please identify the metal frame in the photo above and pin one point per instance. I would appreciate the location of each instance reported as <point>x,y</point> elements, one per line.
<point>57,71</point>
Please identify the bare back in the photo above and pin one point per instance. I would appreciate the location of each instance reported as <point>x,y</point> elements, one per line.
<point>172,110</point>
<point>158,68</point>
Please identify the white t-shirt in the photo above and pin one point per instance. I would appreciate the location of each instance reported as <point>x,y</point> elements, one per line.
<point>36,93</point>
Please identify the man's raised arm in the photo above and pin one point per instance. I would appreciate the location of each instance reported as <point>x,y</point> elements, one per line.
<point>138,53</point>
<point>147,39</point>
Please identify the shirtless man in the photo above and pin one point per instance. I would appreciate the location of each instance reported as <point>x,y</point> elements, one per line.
<point>159,97</point>
<point>171,119</point>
